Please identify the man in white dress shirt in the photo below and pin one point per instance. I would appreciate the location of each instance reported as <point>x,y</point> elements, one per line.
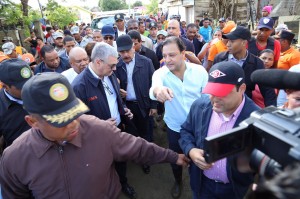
<point>79,60</point>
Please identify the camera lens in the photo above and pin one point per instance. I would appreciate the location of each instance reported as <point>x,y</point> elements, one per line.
<point>263,165</point>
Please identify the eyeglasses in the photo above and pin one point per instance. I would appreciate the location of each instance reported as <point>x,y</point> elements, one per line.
<point>108,38</point>
<point>106,87</point>
<point>110,65</point>
<point>161,38</point>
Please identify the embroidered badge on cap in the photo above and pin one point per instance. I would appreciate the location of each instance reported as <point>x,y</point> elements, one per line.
<point>240,79</point>
<point>59,92</point>
<point>118,16</point>
<point>266,20</point>
<point>25,72</point>
<point>217,73</point>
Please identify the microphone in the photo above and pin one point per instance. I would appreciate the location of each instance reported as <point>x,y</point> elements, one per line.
<point>276,78</point>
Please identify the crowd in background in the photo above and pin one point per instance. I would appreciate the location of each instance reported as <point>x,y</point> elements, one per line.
<point>139,53</point>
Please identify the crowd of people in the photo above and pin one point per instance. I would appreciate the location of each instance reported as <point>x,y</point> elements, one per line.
<point>82,102</point>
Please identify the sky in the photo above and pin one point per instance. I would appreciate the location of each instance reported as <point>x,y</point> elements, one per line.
<point>90,3</point>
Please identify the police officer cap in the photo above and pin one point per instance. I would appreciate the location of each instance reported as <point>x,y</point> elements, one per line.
<point>119,17</point>
<point>51,96</point>
<point>15,72</point>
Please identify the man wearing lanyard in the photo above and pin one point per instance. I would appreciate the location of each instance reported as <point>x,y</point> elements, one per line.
<point>98,88</point>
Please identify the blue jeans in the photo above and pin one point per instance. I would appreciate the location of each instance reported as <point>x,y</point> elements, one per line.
<point>214,190</point>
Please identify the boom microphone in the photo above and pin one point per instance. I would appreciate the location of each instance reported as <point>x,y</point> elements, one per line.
<point>276,78</point>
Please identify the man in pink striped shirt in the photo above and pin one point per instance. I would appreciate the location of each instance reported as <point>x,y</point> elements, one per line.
<point>223,110</point>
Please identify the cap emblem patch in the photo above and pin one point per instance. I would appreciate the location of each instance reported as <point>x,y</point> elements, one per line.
<point>266,20</point>
<point>25,72</point>
<point>217,73</point>
<point>59,92</point>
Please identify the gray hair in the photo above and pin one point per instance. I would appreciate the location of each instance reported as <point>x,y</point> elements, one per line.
<point>103,51</point>
<point>132,21</point>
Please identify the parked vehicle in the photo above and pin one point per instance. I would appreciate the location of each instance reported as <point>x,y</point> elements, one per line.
<point>99,22</point>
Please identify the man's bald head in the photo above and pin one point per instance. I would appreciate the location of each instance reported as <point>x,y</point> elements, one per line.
<point>74,51</point>
<point>78,59</point>
<point>173,28</point>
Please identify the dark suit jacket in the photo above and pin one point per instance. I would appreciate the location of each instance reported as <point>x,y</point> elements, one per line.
<point>197,45</point>
<point>91,91</point>
<point>151,55</point>
<point>142,80</point>
<point>193,133</point>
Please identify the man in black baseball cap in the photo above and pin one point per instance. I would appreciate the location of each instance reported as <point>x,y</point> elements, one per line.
<point>263,40</point>
<point>153,32</point>
<point>120,23</point>
<point>134,87</point>
<point>239,32</point>
<point>289,55</point>
<point>68,150</point>
<point>13,75</point>
<point>124,43</point>
<point>237,52</point>
<point>223,110</point>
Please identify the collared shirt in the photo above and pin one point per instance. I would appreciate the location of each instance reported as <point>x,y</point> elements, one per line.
<point>85,40</point>
<point>19,101</point>
<point>121,32</point>
<point>288,59</point>
<point>111,96</point>
<point>219,123</point>
<point>130,88</point>
<point>70,74</point>
<point>185,92</point>
<point>59,50</point>
<point>239,62</point>
<point>37,156</point>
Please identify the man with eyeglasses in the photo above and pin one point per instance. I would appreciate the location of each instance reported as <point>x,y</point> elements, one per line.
<point>108,34</point>
<point>135,72</point>
<point>78,60</point>
<point>97,86</point>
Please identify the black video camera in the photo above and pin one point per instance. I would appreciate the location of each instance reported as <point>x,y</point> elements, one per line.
<point>271,131</point>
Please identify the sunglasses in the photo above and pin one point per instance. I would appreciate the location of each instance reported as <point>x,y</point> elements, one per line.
<point>160,38</point>
<point>108,37</point>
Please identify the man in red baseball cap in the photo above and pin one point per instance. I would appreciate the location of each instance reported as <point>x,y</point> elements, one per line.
<point>223,110</point>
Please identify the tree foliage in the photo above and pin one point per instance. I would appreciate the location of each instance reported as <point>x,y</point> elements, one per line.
<point>152,7</point>
<point>59,15</point>
<point>137,4</point>
<point>12,14</point>
<point>108,5</point>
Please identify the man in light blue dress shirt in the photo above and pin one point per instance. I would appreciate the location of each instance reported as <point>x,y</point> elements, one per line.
<point>177,84</point>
